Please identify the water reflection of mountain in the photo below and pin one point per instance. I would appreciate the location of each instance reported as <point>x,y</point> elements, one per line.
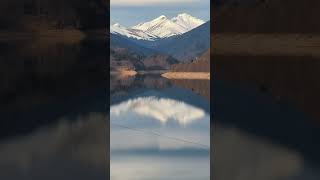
<point>241,155</point>
<point>159,108</point>
<point>42,85</point>
<point>144,86</point>
<point>201,87</point>
<point>122,85</point>
<point>163,125</point>
<point>273,101</point>
<point>53,105</point>
<point>66,150</point>
<point>292,79</point>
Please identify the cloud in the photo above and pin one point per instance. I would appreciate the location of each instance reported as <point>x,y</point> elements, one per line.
<point>151,2</point>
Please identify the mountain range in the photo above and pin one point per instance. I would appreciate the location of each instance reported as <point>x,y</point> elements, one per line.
<point>158,44</point>
<point>158,28</point>
<point>186,47</point>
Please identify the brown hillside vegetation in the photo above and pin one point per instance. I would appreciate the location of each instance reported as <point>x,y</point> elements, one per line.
<point>37,15</point>
<point>267,16</point>
<point>202,64</point>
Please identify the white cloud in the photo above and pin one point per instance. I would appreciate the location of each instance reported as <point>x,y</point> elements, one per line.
<point>150,2</point>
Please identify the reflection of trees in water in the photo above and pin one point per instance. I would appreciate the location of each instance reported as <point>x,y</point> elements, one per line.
<point>242,156</point>
<point>252,94</point>
<point>76,150</point>
<point>122,85</point>
<point>294,79</point>
<point>48,71</point>
<point>57,80</point>
<point>201,87</point>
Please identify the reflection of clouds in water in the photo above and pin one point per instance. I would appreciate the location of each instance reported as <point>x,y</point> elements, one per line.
<point>139,155</point>
<point>76,150</point>
<point>240,156</point>
<point>142,168</point>
<point>140,111</point>
<point>162,109</point>
<point>136,140</point>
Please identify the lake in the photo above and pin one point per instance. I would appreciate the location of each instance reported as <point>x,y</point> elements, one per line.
<point>266,122</point>
<point>159,128</point>
<point>53,110</point>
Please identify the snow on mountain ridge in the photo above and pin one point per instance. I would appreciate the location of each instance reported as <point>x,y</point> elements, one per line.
<point>160,27</point>
<point>187,21</point>
<point>131,33</point>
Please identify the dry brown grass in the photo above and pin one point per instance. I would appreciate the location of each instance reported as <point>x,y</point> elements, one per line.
<point>187,75</point>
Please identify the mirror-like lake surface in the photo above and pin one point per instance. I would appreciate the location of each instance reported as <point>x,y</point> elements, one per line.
<point>159,129</point>
<point>266,118</point>
<point>53,111</point>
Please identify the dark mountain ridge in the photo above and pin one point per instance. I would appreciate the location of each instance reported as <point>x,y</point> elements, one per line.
<point>184,48</point>
<point>188,46</point>
<point>267,16</point>
<point>118,41</point>
<point>122,58</point>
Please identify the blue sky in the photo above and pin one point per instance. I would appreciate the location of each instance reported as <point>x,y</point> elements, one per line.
<point>132,12</point>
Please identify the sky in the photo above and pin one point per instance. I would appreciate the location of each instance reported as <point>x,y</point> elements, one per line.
<point>132,12</point>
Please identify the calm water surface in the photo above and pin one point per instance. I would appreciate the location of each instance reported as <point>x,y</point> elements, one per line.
<point>160,129</point>
<point>266,118</point>
<point>53,111</point>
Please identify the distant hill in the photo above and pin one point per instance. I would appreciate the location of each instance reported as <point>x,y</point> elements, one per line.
<point>118,41</point>
<point>202,64</point>
<point>267,16</point>
<point>159,62</point>
<point>121,58</point>
<point>188,46</point>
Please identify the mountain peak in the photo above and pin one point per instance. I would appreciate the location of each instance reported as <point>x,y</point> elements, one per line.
<point>160,18</point>
<point>116,25</point>
<point>184,15</point>
<point>162,27</point>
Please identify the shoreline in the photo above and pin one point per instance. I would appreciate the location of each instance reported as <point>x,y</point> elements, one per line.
<point>257,44</point>
<point>187,75</point>
<point>124,73</point>
<point>165,74</point>
<point>68,35</point>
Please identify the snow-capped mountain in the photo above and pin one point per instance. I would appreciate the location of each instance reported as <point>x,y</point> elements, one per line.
<point>187,21</point>
<point>131,33</point>
<point>161,27</point>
